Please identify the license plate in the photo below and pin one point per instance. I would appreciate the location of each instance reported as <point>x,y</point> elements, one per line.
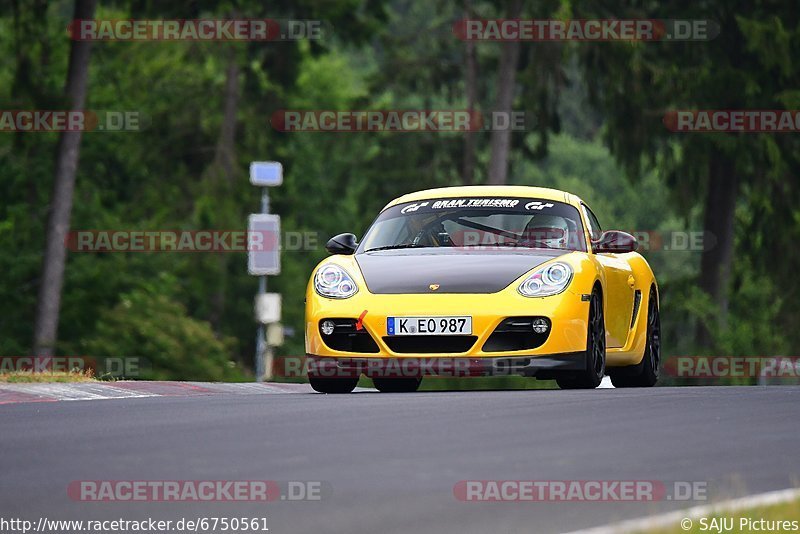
<point>429,326</point>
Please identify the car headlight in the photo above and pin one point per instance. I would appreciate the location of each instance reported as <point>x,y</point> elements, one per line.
<point>333,282</point>
<point>549,280</point>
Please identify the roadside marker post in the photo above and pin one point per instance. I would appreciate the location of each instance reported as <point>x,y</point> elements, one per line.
<point>265,261</point>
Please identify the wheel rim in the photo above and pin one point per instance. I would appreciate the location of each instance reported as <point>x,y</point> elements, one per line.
<point>598,341</point>
<point>654,333</point>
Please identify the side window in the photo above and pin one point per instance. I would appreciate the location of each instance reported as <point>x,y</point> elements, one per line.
<point>594,227</point>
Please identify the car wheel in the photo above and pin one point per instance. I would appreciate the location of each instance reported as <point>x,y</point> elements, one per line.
<point>595,357</point>
<point>646,374</point>
<point>333,385</point>
<point>397,385</point>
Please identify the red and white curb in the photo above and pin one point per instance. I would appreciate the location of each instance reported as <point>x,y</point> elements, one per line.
<point>51,392</point>
<point>13,393</point>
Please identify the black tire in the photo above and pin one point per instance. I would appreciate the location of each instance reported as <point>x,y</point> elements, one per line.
<point>645,374</point>
<point>397,385</point>
<point>333,385</point>
<point>595,355</point>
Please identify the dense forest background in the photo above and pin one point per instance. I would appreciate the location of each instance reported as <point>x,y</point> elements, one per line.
<point>598,132</point>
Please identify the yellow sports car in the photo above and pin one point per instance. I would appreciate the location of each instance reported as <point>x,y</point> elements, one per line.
<point>483,280</point>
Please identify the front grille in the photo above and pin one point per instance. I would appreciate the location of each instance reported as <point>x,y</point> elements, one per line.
<point>346,338</point>
<point>430,344</point>
<point>515,333</point>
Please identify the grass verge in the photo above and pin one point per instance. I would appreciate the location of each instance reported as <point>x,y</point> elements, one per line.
<point>19,377</point>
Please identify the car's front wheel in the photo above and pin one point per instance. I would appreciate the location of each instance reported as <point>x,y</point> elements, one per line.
<point>397,385</point>
<point>333,385</point>
<point>644,374</point>
<point>595,355</point>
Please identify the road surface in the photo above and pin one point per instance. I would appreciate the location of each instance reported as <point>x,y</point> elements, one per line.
<point>389,462</point>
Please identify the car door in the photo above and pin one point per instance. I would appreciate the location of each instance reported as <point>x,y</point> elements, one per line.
<point>619,290</point>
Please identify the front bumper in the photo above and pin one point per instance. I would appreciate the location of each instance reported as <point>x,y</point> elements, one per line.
<point>567,312</point>
<point>543,366</point>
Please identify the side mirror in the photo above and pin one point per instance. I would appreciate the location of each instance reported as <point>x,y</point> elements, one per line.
<point>615,242</point>
<point>342,244</point>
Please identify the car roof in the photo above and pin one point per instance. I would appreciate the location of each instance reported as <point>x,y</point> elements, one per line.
<point>523,191</point>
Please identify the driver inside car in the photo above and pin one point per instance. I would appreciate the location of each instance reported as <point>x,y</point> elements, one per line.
<point>546,231</point>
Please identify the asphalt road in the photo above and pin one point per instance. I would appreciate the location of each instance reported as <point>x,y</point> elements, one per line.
<point>390,461</point>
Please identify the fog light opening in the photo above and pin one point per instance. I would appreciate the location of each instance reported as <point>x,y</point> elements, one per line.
<point>540,325</point>
<point>327,327</point>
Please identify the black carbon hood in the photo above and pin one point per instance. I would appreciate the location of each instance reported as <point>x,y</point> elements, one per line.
<point>413,271</point>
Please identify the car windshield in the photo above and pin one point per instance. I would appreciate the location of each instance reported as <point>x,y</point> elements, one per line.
<point>490,222</point>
